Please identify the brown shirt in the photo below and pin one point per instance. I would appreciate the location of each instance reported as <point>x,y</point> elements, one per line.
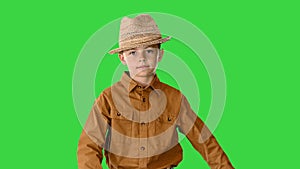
<point>138,128</point>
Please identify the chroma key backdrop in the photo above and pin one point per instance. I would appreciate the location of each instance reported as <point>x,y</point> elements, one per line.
<point>237,62</point>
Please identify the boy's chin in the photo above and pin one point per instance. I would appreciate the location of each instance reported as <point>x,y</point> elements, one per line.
<point>145,73</point>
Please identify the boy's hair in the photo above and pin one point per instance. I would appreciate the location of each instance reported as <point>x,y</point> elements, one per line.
<point>158,46</point>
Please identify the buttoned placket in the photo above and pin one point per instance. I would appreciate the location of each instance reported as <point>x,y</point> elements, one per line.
<point>143,128</point>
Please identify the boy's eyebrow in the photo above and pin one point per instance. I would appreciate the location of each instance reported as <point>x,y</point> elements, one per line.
<point>134,49</point>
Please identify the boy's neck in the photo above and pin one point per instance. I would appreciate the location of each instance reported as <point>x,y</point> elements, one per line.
<point>144,80</point>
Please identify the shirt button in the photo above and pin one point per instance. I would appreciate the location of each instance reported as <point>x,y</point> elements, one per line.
<point>118,114</point>
<point>169,119</point>
<point>142,148</point>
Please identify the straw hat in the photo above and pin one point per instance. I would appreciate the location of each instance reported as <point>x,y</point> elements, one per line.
<point>138,32</point>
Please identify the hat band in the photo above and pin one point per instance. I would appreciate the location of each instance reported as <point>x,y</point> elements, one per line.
<point>138,39</point>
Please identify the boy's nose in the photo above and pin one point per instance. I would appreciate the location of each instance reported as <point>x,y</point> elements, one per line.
<point>142,58</point>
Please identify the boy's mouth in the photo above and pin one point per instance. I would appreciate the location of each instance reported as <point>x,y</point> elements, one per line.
<point>142,67</point>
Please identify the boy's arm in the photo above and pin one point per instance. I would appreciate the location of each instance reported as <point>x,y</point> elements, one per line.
<point>92,139</point>
<point>89,154</point>
<point>201,138</point>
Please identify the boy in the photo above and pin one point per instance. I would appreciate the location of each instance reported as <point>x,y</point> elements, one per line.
<point>136,120</point>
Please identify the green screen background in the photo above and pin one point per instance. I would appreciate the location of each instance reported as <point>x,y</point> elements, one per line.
<point>257,41</point>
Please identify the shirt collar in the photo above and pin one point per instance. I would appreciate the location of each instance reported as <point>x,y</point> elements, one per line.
<point>130,84</point>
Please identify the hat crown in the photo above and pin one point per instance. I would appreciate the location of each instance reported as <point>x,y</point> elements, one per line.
<point>142,25</point>
<point>137,32</point>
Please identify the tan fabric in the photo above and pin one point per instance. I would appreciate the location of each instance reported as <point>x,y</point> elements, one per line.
<point>137,128</point>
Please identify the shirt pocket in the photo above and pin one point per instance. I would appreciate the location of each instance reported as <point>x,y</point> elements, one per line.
<point>164,123</point>
<point>121,123</point>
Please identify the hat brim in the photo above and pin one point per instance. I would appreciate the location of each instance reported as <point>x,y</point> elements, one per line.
<point>158,41</point>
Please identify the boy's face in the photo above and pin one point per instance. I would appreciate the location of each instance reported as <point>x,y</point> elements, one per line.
<point>142,61</point>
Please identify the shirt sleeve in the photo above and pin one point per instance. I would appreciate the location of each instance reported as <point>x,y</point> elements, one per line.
<point>92,139</point>
<point>201,138</point>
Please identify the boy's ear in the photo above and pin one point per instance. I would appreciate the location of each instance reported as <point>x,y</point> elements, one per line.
<point>161,54</point>
<point>121,57</point>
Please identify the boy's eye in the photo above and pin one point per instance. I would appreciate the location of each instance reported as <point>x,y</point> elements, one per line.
<point>132,53</point>
<point>149,51</point>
